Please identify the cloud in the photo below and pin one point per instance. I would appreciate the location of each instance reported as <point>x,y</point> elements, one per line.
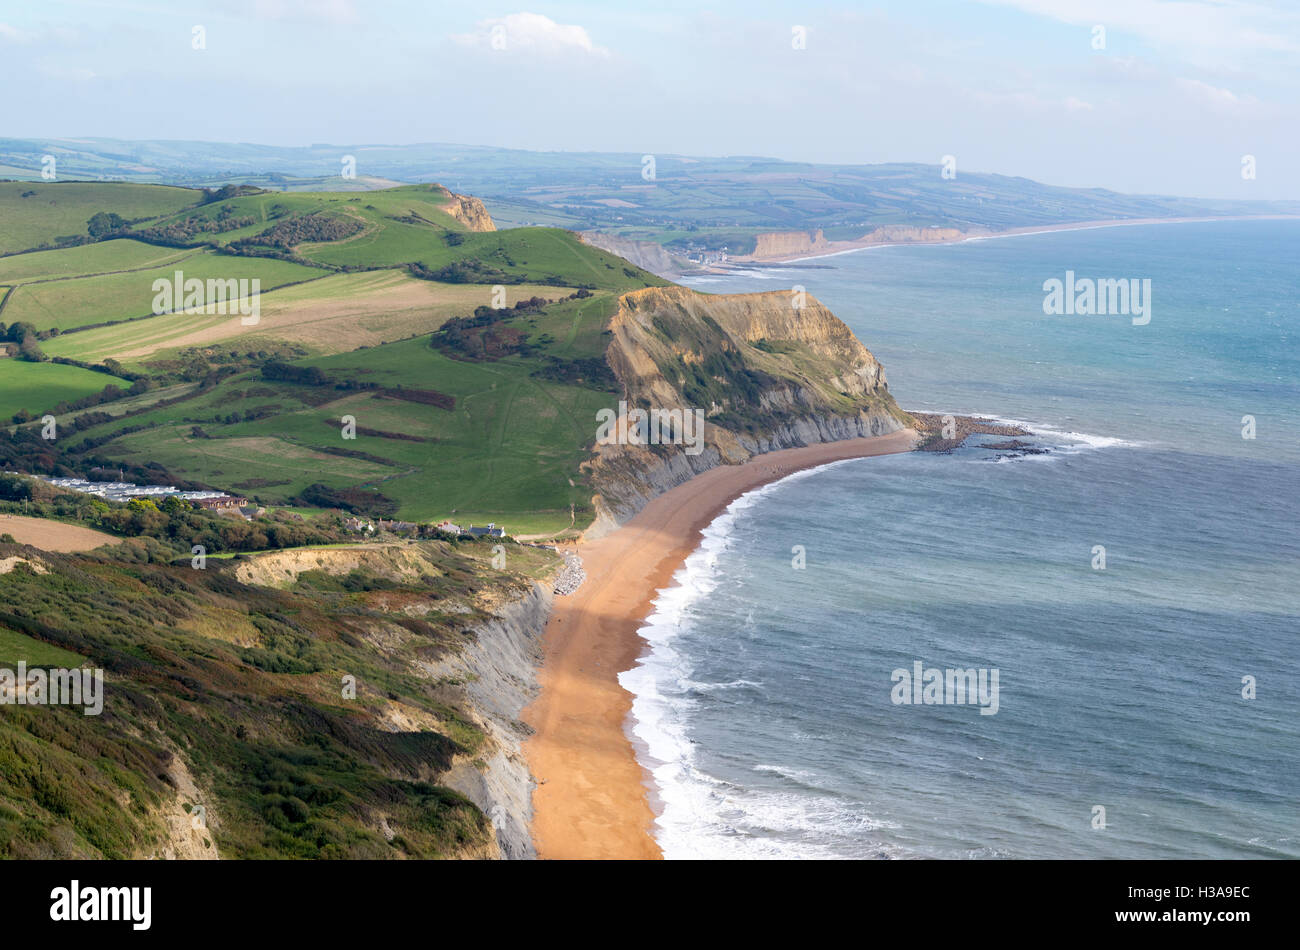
<point>1184,24</point>
<point>1077,105</point>
<point>529,32</point>
<point>14,35</point>
<point>1213,96</point>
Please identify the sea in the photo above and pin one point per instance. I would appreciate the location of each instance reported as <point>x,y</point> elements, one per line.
<point>1135,588</point>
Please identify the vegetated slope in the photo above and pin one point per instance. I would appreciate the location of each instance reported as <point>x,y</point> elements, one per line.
<point>438,433</point>
<point>36,214</point>
<point>231,696</point>
<point>427,255</point>
<point>455,407</point>
<point>107,274</point>
<point>36,387</point>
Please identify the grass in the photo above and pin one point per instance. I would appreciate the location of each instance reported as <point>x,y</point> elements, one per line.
<point>83,301</point>
<point>508,452</point>
<point>105,257</point>
<point>36,213</point>
<point>16,646</point>
<point>38,387</point>
<point>511,449</point>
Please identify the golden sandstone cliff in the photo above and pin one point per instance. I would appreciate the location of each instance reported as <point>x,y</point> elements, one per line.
<point>469,212</point>
<point>765,371</point>
<point>783,245</point>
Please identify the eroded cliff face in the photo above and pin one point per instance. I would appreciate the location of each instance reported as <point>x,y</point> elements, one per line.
<point>469,211</point>
<point>770,371</point>
<point>778,244</point>
<point>646,255</point>
<point>783,245</point>
<point>499,669</point>
<point>904,234</point>
<point>488,677</point>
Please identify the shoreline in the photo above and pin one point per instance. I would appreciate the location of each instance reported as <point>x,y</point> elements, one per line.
<point>592,794</point>
<point>836,248</point>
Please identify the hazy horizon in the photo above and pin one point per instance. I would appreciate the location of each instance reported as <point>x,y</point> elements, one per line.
<point>1167,98</point>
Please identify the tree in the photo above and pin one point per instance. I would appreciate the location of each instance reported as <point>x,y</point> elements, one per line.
<point>14,487</point>
<point>104,223</point>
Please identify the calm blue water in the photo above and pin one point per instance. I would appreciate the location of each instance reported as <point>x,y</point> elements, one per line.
<point>764,706</point>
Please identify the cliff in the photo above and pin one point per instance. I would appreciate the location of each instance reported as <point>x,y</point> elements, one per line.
<point>469,212</point>
<point>644,254</point>
<point>490,676</point>
<point>499,669</point>
<point>783,245</point>
<point>769,371</point>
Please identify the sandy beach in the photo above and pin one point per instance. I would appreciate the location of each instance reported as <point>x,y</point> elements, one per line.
<point>591,799</point>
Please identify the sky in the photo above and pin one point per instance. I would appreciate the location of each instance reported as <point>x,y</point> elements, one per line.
<point>1153,96</point>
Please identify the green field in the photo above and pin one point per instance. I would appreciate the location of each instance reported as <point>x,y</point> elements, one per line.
<point>16,646</point>
<point>83,301</point>
<point>508,452</point>
<point>371,275</point>
<point>35,213</point>
<point>38,387</point>
<point>106,257</point>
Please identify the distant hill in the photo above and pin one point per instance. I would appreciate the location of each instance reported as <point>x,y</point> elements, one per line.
<point>690,202</point>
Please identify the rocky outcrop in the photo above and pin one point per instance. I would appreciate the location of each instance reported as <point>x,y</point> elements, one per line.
<point>769,371</point>
<point>469,212</point>
<point>646,255</point>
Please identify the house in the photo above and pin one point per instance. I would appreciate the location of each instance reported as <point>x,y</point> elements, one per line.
<point>358,524</point>
<point>491,531</point>
<point>221,501</point>
<point>448,527</point>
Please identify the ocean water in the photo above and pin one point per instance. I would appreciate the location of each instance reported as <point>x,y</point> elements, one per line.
<point>764,707</point>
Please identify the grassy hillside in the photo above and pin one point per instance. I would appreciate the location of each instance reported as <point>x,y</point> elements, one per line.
<point>507,450</point>
<point>356,288</point>
<point>74,302</point>
<point>38,213</point>
<point>228,694</point>
<point>36,387</point>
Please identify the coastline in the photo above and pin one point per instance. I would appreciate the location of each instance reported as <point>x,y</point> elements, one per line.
<point>591,798</point>
<point>836,248</point>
